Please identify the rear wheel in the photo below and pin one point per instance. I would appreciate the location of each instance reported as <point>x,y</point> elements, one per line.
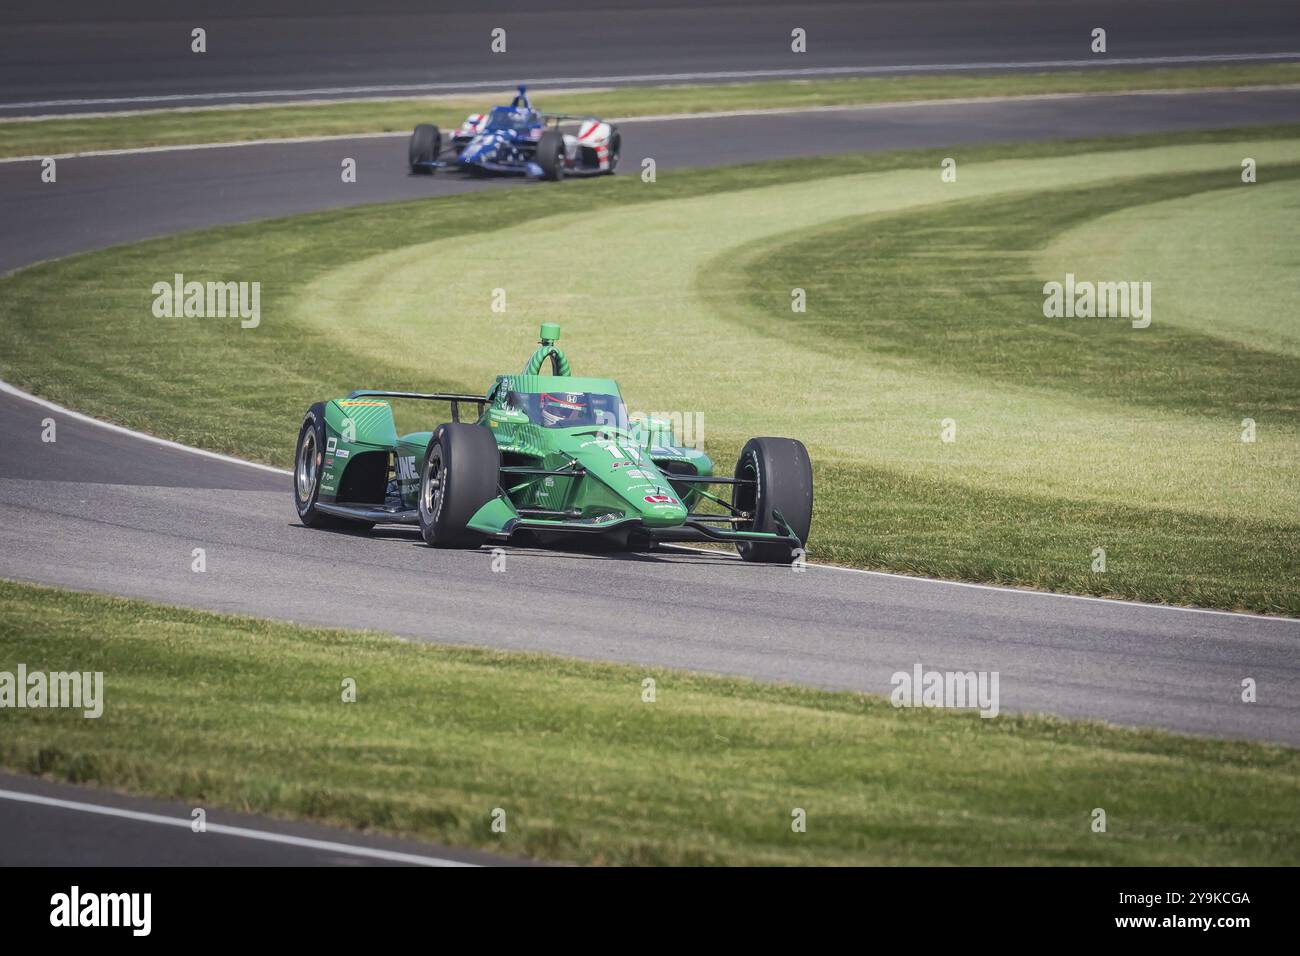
<point>308,466</point>
<point>781,477</point>
<point>426,145</point>
<point>615,149</point>
<point>550,155</point>
<point>459,477</point>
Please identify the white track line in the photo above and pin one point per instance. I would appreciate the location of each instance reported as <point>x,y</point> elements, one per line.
<point>952,101</point>
<point>282,104</point>
<point>1026,591</point>
<point>329,846</point>
<point>8,389</point>
<point>182,148</point>
<point>27,396</point>
<point>1102,61</point>
<point>673,117</point>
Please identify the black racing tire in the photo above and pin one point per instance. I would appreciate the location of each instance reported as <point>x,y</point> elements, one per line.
<point>308,456</point>
<point>460,475</point>
<point>550,155</point>
<point>426,145</point>
<point>615,150</point>
<point>782,476</point>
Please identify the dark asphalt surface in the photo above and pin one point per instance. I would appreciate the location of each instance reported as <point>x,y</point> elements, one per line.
<point>125,522</point>
<point>87,49</point>
<point>105,200</point>
<point>40,834</point>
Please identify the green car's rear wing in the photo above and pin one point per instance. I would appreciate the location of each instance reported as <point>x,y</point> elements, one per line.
<point>478,400</point>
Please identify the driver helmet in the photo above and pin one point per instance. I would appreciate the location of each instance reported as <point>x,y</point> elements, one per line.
<point>563,408</point>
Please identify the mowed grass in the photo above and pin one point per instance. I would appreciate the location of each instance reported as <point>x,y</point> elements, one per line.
<point>244,714</point>
<point>58,135</point>
<point>924,303</point>
<point>959,290</point>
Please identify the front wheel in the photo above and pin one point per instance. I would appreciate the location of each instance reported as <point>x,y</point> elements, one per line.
<point>460,475</point>
<point>778,478</point>
<point>550,155</point>
<point>426,144</point>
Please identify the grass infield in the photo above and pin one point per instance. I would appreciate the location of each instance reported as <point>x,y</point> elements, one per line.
<point>222,711</point>
<point>924,303</point>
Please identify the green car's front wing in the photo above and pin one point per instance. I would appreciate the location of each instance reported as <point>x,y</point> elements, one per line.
<point>500,520</point>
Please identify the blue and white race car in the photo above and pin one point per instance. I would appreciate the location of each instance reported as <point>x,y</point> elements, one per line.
<point>520,140</point>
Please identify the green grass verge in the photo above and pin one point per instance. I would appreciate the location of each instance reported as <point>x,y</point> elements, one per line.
<point>924,304</point>
<point>232,712</point>
<point>957,288</point>
<point>177,127</point>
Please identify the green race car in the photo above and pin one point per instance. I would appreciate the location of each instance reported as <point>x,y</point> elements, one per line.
<point>551,457</point>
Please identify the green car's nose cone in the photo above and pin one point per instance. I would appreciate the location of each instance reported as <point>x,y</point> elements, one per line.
<point>626,469</point>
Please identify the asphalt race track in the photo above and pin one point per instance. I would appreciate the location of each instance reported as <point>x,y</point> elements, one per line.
<point>106,200</point>
<point>106,511</point>
<point>51,824</point>
<point>111,513</point>
<point>149,505</point>
<point>86,49</point>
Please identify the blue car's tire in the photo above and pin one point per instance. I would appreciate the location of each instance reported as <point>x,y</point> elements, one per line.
<point>425,147</point>
<point>460,475</point>
<point>615,150</point>
<point>782,481</point>
<point>550,155</point>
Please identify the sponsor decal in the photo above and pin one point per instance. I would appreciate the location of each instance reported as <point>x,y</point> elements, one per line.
<point>406,469</point>
<point>330,445</point>
<point>343,453</point>
<point>668,500</point>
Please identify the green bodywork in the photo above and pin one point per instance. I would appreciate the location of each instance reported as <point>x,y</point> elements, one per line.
<point>615,479</point>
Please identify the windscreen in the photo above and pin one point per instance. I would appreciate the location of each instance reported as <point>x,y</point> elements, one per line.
<point>570,409</point>
<point>503,117</point>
